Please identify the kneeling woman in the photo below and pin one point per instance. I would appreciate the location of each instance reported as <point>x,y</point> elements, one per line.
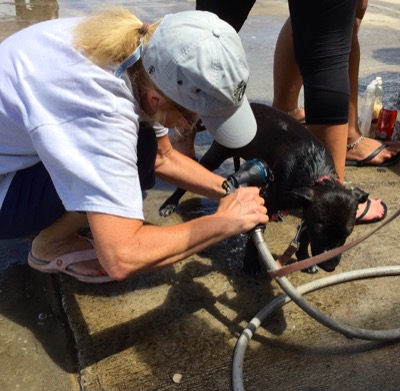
<point>80,139</point>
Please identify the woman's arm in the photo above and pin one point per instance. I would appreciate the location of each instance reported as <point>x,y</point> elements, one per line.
<point>178,169</point>
<point>127,246</point>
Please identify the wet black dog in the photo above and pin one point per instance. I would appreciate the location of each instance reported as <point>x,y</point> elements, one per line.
<point>305,180</point>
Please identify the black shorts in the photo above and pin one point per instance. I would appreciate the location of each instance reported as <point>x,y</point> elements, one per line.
<point>322,35</point>
<point>234,12</point>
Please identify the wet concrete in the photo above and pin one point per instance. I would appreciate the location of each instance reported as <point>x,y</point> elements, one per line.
<point>59,334</point>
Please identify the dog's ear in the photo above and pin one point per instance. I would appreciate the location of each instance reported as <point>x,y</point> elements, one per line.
<point>300,196</point>
<point>360,195</point>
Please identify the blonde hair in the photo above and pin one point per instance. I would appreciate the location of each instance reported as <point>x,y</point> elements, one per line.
<point>110,36</point>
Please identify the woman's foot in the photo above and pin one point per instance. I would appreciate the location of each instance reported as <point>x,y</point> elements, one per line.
<point>368,151</point>
<point>47,252</point>
<point>371,211</point>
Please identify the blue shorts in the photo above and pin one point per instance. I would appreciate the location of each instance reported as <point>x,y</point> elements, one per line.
<point>31,203</point>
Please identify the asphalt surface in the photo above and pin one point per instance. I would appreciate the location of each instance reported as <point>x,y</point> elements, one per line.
<point>177,328</point>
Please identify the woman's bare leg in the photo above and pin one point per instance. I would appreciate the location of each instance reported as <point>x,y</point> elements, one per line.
<point>334,138</point>
<point>287,77</point>
<point>368,145</point>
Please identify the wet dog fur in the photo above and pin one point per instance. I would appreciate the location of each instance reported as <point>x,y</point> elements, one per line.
<point>304,180</point>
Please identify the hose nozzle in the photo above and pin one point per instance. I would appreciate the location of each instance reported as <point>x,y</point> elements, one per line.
<point>251,173</point>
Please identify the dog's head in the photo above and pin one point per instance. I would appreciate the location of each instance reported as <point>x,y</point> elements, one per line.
<point>329,213</point>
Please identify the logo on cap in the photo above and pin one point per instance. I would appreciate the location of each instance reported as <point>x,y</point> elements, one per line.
<point>239,91</point>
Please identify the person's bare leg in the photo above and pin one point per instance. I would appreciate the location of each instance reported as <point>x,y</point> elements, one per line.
<point>61,238</point>
<point>368,145</point>
<point>334,138</point>
<point>287,78</point>
<point>354,65</point>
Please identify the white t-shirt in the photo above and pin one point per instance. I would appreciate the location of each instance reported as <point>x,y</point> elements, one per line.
<point>58,107</point>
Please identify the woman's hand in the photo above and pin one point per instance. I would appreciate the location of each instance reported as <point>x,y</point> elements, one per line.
<point>245,208</point>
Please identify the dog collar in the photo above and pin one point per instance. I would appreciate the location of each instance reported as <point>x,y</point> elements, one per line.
<point>319,180</point>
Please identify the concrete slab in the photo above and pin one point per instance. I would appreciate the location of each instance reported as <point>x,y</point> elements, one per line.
<point>185,320</point>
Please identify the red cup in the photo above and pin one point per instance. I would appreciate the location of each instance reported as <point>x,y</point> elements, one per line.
<point>385,126</point>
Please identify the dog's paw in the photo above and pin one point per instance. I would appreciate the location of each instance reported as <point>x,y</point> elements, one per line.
<point>310,270</point>
<point>330,265</point>
<point>166,210</point>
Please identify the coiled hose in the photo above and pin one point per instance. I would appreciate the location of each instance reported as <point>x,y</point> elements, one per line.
<point>295,295</point>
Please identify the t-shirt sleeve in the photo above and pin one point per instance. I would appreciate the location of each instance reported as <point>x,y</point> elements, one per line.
<point>92,161</point>
<point>160,130</point>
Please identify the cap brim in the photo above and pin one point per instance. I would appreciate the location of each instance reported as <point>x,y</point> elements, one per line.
<point>235,129</point>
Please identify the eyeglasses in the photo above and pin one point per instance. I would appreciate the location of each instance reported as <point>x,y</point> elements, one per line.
<point>190,117</point>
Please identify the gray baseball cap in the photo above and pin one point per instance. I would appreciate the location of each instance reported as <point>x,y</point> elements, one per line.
<point>198,61</point>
